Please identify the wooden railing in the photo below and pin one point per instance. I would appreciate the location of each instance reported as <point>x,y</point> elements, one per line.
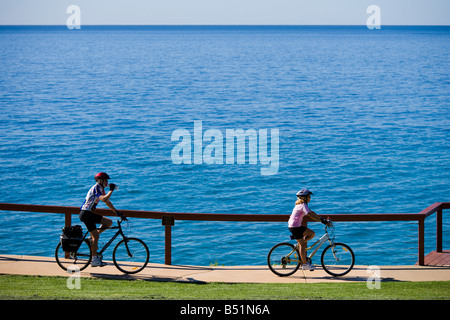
<point>168,220</point>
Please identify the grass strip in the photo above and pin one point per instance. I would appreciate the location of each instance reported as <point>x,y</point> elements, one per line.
<point>55,288</point>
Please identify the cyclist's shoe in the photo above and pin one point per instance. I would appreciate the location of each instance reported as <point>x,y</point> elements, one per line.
<point>308,266</point>
<point>97,262</point>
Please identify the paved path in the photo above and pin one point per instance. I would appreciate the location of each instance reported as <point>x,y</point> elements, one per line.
<point>45,266</point>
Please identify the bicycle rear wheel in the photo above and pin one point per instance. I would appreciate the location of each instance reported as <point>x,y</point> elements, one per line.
<point>338,259</point>
<point>80,259</point>
<point>284,259</point>
<point>131,255</point>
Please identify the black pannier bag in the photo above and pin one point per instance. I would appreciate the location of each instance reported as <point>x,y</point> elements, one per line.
<point>71,238</point>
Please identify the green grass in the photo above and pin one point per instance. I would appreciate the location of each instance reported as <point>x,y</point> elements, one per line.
<point>51,288</point>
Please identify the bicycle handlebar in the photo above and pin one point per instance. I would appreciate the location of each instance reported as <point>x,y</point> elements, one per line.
<point>122,219</point>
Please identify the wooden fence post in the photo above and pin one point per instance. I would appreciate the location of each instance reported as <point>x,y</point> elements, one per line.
<point>168,222</point>
<point>67,223</point>
<point>439,229</point>
<point>67,219</point>
<point>421,237</point>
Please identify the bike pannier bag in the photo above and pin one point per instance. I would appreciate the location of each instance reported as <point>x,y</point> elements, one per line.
<point>71,238</point>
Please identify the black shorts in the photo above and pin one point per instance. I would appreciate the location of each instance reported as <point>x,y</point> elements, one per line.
<point>90,219</point>
<point>297,232</point>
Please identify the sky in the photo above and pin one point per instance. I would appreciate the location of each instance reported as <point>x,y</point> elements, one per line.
<point>225,12</point>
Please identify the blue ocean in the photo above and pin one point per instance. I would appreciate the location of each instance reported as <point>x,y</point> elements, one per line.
<point>363,121</point>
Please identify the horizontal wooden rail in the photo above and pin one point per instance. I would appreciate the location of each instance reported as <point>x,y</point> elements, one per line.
<point>212,216</point>
<point>168,219</point>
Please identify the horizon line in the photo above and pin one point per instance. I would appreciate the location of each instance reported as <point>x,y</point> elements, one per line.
<point>229,25</point>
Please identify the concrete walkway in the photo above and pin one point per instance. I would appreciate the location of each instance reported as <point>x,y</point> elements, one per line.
<point>45,266</point>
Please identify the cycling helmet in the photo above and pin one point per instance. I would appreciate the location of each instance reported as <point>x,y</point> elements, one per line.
<point>304,192</point>
<point>102,175</point>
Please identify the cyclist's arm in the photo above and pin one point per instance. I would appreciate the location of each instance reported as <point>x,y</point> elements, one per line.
<point>105,199</point>
<point>110,205</point>
<point>314,216</point>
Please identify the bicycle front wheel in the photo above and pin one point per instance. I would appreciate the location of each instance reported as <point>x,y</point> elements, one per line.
<point>283,259</point>
<point>338,259</point>
<point>131,255</point>
<point>74,260</point>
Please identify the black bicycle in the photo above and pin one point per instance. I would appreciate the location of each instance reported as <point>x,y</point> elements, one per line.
<point>130,255</point>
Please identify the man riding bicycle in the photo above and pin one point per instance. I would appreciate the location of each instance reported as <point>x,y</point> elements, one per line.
<point>90,219</point>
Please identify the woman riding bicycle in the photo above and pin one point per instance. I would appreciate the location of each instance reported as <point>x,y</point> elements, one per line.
<point>87,215</point>
<point>300,232</point>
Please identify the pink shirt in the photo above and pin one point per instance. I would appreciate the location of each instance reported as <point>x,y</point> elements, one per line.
<point>296,218</point>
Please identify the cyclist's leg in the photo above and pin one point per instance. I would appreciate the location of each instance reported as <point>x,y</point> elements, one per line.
<point>94,243</point>
<point>95,234</point>
<point>90,219</point>
<point>106,223</point>
<point>302,245</point>
<point>302,249</point>
<point>308,234</point>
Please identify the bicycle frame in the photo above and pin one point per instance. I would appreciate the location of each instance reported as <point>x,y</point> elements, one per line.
<point>317,244</point>
<point>119,232</point>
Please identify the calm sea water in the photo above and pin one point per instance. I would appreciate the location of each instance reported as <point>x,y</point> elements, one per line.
<point>363,119</point>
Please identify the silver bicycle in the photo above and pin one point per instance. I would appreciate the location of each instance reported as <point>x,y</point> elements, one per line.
<point>337,258</point>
